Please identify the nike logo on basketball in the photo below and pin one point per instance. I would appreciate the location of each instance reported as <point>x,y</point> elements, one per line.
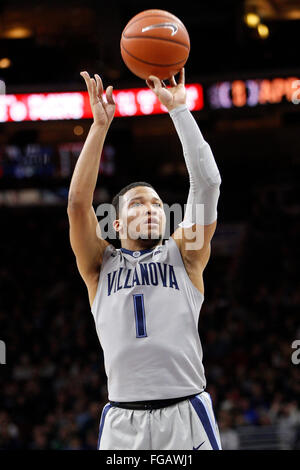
<point>196,448</point>
<point>171,26</point>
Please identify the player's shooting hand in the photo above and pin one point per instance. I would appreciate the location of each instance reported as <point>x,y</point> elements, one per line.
<point>103,111</point>
<point>169,97</point>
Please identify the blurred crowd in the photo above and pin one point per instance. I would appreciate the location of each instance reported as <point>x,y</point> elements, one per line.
<point>53,388</point>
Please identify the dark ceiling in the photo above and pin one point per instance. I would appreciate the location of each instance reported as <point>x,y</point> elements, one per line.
<point>68,36</point>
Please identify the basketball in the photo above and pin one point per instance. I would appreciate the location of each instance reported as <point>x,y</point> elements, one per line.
<point>155,42</point>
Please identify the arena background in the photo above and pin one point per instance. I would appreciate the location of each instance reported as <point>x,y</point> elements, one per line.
<point>53,385</point>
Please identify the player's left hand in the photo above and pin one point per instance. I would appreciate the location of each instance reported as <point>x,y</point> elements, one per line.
<point>171,97</point>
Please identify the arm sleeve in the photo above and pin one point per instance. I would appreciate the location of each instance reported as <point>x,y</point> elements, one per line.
<point>204,176</point>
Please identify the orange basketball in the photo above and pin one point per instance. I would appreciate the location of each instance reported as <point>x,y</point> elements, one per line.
<point>155,42</point>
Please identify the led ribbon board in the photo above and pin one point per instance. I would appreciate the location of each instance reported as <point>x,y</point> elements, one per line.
<point>76,105</point>
<point>250,93</point>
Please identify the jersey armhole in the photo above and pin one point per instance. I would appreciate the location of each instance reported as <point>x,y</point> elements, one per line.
<point>179,256</point>
<point>106,254</point>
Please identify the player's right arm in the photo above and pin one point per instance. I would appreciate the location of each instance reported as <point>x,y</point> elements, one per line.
<point>87,246</point>
<point>194,234</point>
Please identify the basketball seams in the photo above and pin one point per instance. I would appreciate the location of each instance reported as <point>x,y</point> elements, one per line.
<point>158,39</point>
<point>173,18</point>
<point>151,63</point>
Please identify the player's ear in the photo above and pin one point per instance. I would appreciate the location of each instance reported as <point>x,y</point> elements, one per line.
<point>117,225</point>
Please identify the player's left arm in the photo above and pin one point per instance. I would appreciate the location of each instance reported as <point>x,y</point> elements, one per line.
<point>194,234</point>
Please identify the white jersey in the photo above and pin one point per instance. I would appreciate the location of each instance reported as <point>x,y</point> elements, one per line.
<point>146,312</point>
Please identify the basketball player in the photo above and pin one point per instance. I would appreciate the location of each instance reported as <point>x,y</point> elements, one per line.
<point>146,296</point>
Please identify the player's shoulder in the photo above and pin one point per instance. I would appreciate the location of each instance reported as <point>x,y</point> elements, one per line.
<point>172,247</point>
<point>110,252</point>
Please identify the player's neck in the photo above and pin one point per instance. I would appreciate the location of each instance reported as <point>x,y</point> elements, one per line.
<point>139,245</point>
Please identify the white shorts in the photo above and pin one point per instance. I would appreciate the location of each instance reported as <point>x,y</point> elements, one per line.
<point>187,425</point>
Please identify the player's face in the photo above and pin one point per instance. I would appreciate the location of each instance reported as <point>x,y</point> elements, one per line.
<point>142,214</point>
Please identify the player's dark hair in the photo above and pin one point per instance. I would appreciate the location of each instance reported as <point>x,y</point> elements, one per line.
<point>115,202</point>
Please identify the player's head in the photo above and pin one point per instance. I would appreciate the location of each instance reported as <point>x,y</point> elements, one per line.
<point>139,213</point>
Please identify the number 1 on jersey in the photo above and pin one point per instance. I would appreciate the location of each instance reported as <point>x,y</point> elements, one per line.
<point>140,318</point>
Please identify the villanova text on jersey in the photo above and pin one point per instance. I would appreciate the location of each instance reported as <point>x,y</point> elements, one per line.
<point>150,274</point>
